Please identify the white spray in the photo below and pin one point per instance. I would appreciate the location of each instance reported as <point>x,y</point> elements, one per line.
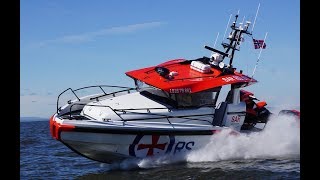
<point>280,138</point>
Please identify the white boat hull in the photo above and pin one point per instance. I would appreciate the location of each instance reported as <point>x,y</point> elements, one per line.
<point>112,129</point>
<point>109,148</point>
<point>114,144</point>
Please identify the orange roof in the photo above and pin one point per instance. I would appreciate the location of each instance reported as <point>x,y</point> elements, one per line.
<point>187,80</point>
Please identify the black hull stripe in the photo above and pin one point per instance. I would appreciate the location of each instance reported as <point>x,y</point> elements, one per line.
<point>144,132</point>
<point>241,113</point>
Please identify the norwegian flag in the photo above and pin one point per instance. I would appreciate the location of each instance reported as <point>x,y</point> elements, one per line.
<point>259,44</point>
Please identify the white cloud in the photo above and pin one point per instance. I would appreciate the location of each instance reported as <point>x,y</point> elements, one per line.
<point>90,36</point>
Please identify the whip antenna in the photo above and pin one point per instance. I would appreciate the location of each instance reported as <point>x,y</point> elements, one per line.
<point>226,27</point>
<point>255,18</point>
<point>243,19</point>
<point>261,47</point>
<point>216,40</point>
<point>215,44</point>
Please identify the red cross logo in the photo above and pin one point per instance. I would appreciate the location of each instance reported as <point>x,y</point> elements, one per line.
<point>154,144</point>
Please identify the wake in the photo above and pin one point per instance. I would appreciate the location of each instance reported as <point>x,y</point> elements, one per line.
<point>280,138</point>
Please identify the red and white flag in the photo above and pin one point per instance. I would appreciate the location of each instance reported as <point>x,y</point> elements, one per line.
<point>259,44</point>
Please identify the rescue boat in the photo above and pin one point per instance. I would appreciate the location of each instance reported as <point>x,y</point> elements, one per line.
<point>172,109</point>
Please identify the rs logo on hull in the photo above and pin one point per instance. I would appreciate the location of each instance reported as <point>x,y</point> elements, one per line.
<point>146,145</point>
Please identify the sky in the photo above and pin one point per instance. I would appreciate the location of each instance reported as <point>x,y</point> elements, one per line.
<point>76,43</point>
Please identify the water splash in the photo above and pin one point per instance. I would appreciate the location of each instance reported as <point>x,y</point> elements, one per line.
<point>145,163</point>
<point>127,164</point>
<point>153,162</point>
<point>280,138</point>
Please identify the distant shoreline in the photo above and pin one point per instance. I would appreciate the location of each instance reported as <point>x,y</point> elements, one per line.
<point>32,119</point>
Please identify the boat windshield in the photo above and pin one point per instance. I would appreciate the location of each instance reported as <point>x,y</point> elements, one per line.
<point>185,100</point>
<point>195,99</point>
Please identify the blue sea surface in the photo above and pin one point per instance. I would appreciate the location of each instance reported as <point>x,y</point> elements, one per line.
<point>42,157</point>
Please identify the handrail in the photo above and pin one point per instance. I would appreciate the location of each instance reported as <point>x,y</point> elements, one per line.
<point>113,93</point>
<point>87,87</point>
<point>101,86</point>
<point>163,116</point>
<point>147,109</point>
<point>166,116</point>
<point>120,110</point>
<point>62,93</point>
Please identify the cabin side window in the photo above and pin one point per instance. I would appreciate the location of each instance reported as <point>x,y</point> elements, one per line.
<point>206,98</point>
<point>155,94</point>
<point>194,100</point>
<point>183,100</point>
<point>141,85</point>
